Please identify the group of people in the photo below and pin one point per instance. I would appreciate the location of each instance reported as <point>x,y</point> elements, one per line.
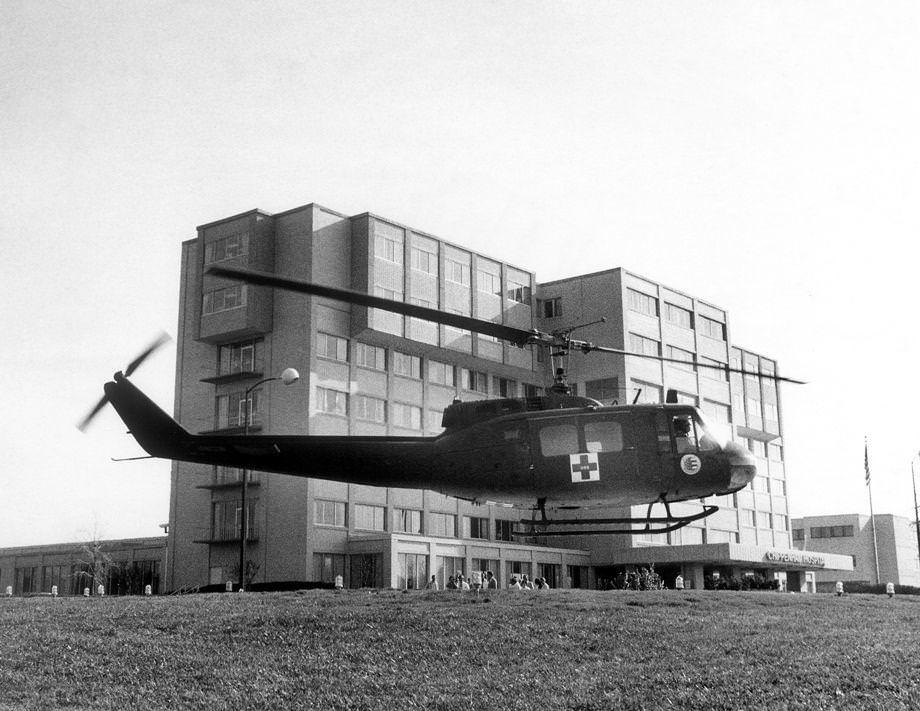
<point>525,583</point>
<point>487,581</point>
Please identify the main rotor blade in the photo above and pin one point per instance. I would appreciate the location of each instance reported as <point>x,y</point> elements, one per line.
<point>586,347</point>
<point>517,336</point>
<point>84,423</point>
<point>157,342</point>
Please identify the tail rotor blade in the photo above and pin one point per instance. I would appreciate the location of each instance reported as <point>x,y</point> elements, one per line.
<point>147,352</point>
<point>84,423</point>
<point>132,366</point>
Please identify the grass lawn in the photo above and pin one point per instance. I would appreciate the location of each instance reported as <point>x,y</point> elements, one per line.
<point>562,649</point>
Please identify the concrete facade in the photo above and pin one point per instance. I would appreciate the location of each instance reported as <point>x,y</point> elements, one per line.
<point>851,535</point>
<point>369,372</point>
<point>123,566</point>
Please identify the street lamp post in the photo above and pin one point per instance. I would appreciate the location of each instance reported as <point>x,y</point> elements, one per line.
<point>288,377</point>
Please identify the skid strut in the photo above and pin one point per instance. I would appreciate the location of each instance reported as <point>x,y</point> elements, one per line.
<point>624,526</point>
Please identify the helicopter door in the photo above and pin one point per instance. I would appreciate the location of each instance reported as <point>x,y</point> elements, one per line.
<point>577,455</point>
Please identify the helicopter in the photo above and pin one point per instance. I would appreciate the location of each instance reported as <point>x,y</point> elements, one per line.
<point>548,454</point>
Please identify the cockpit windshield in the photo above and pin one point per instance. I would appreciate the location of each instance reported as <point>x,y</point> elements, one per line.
<point>717,433</point>
<point>692,433</point>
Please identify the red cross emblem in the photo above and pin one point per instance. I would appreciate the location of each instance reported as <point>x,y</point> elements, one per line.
<point>584,467</point>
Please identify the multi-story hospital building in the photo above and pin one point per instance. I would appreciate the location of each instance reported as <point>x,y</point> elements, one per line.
<point>369,372</point>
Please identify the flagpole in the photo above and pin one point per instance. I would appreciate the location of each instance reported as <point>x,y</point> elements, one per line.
<point>878,577</point>
<point>913,480</point>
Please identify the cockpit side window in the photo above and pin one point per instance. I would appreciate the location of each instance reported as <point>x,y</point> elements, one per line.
<point>604,436</point>
<point>556,440</point>
<point>684,430</point>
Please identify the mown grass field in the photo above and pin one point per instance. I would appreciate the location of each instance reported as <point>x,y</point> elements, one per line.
<point>451,650</point>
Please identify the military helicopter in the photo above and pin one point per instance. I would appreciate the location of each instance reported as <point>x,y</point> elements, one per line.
<point>553,453</point>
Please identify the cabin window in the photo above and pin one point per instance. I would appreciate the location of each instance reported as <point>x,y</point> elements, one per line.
<point>558,440</point>
<point>604,436</point>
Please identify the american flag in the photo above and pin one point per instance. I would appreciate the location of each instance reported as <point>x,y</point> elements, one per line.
<point>867,462</point>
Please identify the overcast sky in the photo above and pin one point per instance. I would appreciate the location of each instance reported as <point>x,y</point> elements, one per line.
<point>763,156</point>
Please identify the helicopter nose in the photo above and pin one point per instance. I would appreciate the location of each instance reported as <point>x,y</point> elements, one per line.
<point>742,465</point>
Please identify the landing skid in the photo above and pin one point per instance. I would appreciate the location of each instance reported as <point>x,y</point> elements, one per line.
<point>625,526</point>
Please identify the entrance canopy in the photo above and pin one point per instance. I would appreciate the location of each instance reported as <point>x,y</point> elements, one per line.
<point>733,554</point>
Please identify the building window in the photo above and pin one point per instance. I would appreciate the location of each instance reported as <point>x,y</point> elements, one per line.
<point>225,520</point>
<point>406,416</point>
<point>504,387</point>
<point>369,518</point>
<point>711,327</point>
<point>716,371</point>
<point>424,260</point>
<point>408,366</point>
<point>685,358</point>
<point>229,247</point>
<point>449,567</point>
<point>441,373</point>
<point>475,527</point>
<point>333,347</point>
<point>645,392</point>
<point>327,566</point>
<point>748,517</point>
<point>717,412</point>
<point>644,346</point>
<point>518,287</point>
<point>231,297</point>
<point>442,524</point>
<point>407,521</point>
<point>504,530</point>
<point>243,357</point>
<point>798,534</point>
<point>678,316</point>
<point>366,571</point>
<point>474,380</point>
<point>370,409</point>
<point>388,243</point>
<point>28,580</point>
<point>332,402</point>
<point>488,283</point>
<point>485,565</point>
<point>456,272</point>
<point>412,571</point>
<point>232,409</point>
<point>775,452</point>
<point>329,513</point>
<point>764,519</point>
<point>831,531</point>
<point>780,522</point>
<point>778,487</point>
<point>606,390</point>
<point>550,308</point>
<point>367,356</point>
<point>643,303</point>
<point>518,568</point>
<point>761,484</point>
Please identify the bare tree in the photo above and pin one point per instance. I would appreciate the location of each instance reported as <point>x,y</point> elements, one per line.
<point>95,561</point>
